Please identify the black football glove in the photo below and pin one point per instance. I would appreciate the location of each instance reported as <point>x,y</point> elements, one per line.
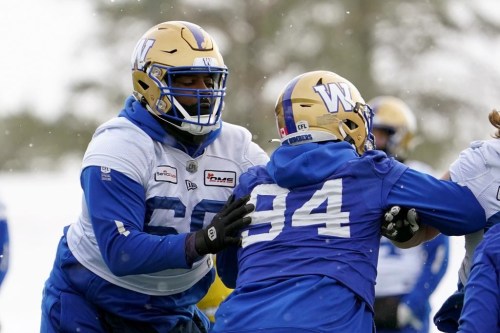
<point>222,231</point>
<point>400,224</point>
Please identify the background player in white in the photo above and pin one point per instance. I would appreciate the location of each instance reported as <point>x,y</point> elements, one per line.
<point>153,178</point>
<point>308,259</point>
<point>403,290</point>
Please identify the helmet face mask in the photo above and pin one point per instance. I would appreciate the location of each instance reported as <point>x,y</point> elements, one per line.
<point>323,106</point>
<point>163,63</point>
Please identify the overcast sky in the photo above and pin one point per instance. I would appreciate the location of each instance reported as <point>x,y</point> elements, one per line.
<point>40,41</point>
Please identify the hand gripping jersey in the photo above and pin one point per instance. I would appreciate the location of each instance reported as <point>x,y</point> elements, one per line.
<point>142,196</point>
<point>409,275</point>
<point>312,247</point>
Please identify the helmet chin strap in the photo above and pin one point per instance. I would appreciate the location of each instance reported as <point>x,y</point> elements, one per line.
<point>198,129</point>
<point>190,125</point>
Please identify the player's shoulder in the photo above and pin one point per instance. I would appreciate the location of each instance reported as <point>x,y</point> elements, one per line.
<point>119,134</point>
<point>480,158</point>
<point>122,146</point>
<point>235,132</point>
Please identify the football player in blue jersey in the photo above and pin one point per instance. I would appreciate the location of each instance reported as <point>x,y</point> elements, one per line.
<point>402,291</point>
<point>4,243</point>
<point>157,183</point>
<point>308,260</point>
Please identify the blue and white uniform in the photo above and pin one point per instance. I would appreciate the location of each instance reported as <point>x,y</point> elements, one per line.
<point>478,168</point>
<point>308,260</point>
<point>125,254</point>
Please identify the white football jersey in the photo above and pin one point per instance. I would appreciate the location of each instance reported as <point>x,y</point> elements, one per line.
<point>478,168</point>
<point>164,172</point>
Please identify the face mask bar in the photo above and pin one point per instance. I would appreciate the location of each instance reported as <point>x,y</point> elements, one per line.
<point>207,109</point>
<point>367,113</point>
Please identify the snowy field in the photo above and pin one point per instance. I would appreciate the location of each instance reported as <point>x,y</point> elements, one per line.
<point>39,205</point>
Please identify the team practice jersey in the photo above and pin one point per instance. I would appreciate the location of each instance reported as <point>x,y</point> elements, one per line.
<point>478,168</point>
<point>315,236</point>
<point>155,193</point>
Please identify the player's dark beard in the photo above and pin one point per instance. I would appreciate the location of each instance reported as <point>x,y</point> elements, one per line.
<point>204,107</point>
<point>186,138</point>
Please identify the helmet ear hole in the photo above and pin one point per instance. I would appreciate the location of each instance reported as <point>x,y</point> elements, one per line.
<point>143,85</point>
<point>351,124</point>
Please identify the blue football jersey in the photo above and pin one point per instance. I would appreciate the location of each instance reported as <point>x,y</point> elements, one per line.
<point>318,210</point>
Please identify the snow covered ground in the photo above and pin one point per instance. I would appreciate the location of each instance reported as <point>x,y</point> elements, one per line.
<point>39,205</point>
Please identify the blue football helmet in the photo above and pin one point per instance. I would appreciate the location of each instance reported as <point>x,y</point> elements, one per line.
<point>170,50</point>
<point>323,106</point>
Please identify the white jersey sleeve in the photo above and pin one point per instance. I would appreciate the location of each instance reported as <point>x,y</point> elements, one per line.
<point>478,168</point>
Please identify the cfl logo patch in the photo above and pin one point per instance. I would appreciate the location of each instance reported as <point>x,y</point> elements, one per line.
<point>302,125</point>
<point>212,233</point>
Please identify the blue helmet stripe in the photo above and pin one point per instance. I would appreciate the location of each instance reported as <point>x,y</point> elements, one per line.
<point>287,107</point>
<point>197,33</point>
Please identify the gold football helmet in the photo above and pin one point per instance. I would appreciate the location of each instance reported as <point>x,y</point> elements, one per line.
<point>395,117</point>
<point>173,49</point>
<point>323,106</point>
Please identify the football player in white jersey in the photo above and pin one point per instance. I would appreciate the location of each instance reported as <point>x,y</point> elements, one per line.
<point>157,183</point>
<point>481,307</point>
<point>476,167</point>
<point>402,291</point>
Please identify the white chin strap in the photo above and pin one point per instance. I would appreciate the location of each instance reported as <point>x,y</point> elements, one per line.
<point>199,129</point>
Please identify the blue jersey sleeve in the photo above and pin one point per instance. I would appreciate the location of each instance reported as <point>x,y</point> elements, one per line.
<point>449,207</point>
<point>4,249</point>
<point>481,311</point>
<point>117,210</point>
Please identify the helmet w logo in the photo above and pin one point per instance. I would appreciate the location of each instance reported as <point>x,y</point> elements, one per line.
<point>140,52</point>
<point>335,94</point>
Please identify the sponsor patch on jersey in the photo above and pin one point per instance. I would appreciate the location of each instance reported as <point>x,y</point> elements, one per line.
<point>166,173</point>
<point>220,178</point>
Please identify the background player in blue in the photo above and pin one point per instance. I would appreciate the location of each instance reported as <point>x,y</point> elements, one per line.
<point>154,179</point>
<point>4,244</point>
<point>308,259</point>
<point>403,290</point>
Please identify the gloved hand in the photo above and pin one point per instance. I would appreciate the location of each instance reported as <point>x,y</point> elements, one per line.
<point>400,224</point>
<point>222,231</point>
